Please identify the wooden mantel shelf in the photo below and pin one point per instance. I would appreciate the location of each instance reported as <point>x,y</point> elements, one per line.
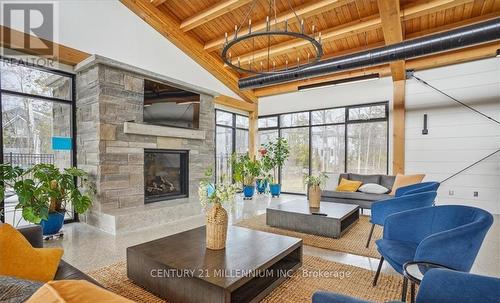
<point>162,131</point>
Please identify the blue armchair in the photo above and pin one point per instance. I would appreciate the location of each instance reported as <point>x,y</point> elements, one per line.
<point>417,188</point>
<point>439,286</point>
<point>383,208</point>
<point>450,235</point>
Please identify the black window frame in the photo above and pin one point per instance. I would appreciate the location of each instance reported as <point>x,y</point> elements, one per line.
<point>71,102</point>
<point>346,123</point>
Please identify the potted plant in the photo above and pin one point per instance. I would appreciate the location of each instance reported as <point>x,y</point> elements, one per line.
<point>314,184</point>
<point>265,168</point>
<point>246,170</point>
<point>45,192</point>
<point>212,196</point>
<point>277,152</point>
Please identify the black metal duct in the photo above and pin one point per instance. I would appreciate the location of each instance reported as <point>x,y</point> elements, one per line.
<point>461,37</point>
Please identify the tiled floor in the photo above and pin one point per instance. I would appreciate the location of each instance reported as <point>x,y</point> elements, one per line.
<point>88,248</point>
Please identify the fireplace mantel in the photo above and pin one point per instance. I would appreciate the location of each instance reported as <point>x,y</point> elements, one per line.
<point>162,131</point>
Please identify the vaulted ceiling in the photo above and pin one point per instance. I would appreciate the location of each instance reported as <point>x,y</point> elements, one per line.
<point>198,28</point>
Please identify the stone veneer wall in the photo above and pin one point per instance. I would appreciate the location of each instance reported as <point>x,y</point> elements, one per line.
<point>107,97</point>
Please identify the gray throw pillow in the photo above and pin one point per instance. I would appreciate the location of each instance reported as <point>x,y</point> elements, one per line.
<point>14,290</point>
<point>372,188</point>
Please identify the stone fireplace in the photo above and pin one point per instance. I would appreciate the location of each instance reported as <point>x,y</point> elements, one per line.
<point>145,174</point>
<point>165,174</point>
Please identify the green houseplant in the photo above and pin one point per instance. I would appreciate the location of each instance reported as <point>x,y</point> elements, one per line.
<point>276,153</point>
<point>45,192</point>
<point>246,170</point>
<point>212,196</point>
<point>314,184</point>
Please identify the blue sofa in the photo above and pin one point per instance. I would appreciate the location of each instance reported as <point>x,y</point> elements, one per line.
<point>439,286</point>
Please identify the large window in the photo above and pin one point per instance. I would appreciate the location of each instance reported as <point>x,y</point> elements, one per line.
<point>36,123</point>
<point>231,137</point>
<point>335,140</point>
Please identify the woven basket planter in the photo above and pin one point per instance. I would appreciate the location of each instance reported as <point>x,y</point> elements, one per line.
<point>314,196</point>
<point>216,227</point>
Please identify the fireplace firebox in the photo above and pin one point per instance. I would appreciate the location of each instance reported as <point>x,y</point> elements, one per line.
<point>166,174</point>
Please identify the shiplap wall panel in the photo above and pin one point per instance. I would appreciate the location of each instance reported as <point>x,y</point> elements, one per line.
<point>457,136</point>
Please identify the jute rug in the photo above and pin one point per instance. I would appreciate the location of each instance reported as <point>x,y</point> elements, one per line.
<point>315,274</point>
<point>353,241</point>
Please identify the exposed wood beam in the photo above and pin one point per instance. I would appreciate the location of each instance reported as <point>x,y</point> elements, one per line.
<point>349,29</point>
<point>306,10</point>
<point>157,2</point>
<point>253,129</point>
<point>235,103</point>
<point>14,39</point>
<point>393,33</point>
<point>433,61</point>
<point>168,26</point>
<point>212,12</point>
<point>398,127</point>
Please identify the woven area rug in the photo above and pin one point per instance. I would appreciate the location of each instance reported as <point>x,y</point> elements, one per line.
<point>315,274</point>
<point>353,241</point>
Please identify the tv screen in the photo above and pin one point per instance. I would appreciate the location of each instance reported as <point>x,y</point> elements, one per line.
<point>166,105</point>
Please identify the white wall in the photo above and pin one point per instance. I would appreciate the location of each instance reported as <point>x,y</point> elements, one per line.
<point>109,29</point>
<point>457,137</point>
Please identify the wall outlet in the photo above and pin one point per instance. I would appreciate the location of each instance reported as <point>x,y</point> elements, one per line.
<point>451,192</point>
<point>476,194</point>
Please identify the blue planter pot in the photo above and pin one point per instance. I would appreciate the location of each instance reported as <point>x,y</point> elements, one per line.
<point>261,186</point>
<point>248,191</point>
<point>275,190</point>
<point>53,225</point>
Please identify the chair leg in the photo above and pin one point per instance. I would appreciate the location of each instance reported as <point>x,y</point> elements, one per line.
<point>412,292</point>
<point>405,289</point>
<point>375,279</point>
<point>370,236</point>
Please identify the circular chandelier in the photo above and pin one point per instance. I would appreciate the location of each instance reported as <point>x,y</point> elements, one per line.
<point>273,31</point>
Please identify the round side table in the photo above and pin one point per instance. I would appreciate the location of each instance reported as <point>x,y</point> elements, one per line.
<point>415,271</point>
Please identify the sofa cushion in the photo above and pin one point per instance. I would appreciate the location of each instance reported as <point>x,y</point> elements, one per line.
<point>365,178</point>
<point>355,195</point>
<point>387,181</point>
<point>373,188</point>
<point>19,259</point>
<point>348,185</point>
<point>14,290</point>
<point>404,180</point>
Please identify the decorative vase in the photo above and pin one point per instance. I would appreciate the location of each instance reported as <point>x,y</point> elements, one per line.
<point>261,186</point>
<point>275,190</point>
<point>248,191</point>
<point>216,227</point>
<point>314,194</point>
<point>53,224</point>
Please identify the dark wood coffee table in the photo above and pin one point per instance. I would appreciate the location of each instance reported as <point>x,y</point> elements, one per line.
<point>297,216</point>
<point>179,268</point>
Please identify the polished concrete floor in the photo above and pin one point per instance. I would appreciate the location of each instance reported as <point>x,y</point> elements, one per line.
<point>88,248</point>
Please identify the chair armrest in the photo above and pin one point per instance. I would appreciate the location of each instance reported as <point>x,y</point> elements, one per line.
<point>329,297</point>
<point>33,234</point>
<point>447,286</point>
<point>382,209</point>
<point>409,226</point>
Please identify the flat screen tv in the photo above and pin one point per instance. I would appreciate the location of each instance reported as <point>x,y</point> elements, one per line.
<point>166,105</point>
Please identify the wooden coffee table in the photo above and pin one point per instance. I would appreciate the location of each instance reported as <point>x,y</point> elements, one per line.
<point>179,268</point>
<point>297,216</point>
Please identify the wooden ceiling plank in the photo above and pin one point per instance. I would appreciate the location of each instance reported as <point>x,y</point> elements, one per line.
<point>345,30</point>
<point>157,2</point>
<point>235,103</point>
<point>314,7</point>
<point>14,39</point>
<point>166,25</point>
<point>390,15</point>
<point>210,13</point>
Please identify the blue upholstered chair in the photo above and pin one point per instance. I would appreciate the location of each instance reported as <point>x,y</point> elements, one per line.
<point>417,188</point>
<point>449,235</point>
<point>383,208</point>
<point>439,286</point>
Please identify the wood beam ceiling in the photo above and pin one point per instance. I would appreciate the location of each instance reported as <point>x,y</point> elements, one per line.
<point>235,103</point>
<point>157,2</point>
<point>352,28</point>
<point>219,9</point>
<point>393,32</point>
<point>163,22</point>
<point>433,61</point>
<point>14,39</point>
<point>303,11</point>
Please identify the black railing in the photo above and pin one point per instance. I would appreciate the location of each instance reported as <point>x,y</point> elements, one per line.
<point>27,160</point>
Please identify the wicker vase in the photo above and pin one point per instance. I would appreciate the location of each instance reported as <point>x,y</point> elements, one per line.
<point>314,196</point>
<point>216,227</point>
